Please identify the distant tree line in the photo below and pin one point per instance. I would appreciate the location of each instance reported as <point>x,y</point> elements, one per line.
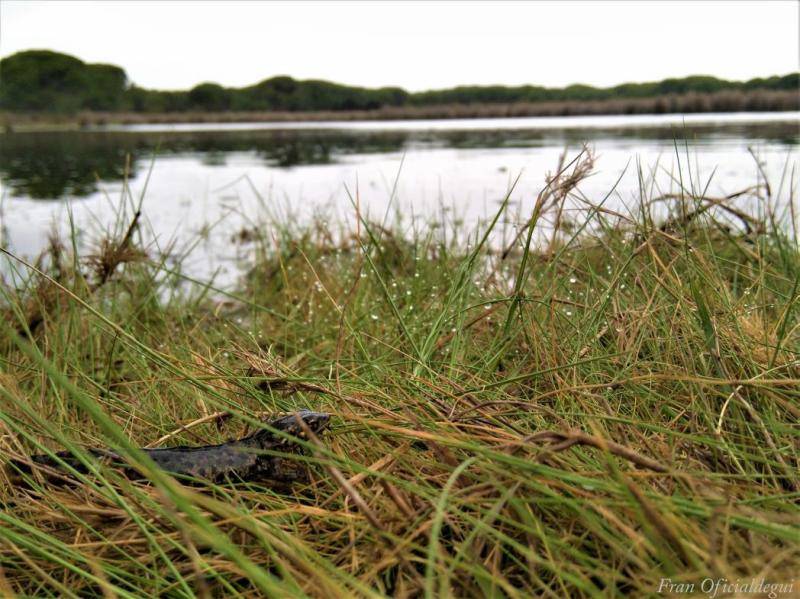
<point>46,81</point>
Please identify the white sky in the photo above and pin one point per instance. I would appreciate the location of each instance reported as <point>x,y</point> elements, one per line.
<point>416,45</point>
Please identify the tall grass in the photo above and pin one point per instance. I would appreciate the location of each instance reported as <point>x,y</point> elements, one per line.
<point>611,402</point>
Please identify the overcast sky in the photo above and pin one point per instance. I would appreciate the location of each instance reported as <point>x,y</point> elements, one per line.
<point>416,45</point>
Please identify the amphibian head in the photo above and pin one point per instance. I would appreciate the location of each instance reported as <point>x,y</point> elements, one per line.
<point>315,421</point>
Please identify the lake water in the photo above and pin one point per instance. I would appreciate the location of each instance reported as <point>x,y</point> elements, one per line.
<point>215,177</point>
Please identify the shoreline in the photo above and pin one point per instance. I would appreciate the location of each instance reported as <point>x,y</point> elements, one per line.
<point>578,122</point>
<point>688,104</point>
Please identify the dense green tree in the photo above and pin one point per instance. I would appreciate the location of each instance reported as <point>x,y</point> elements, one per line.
<point>209,97</point>
<point>105,86</point>
<point>40,80</point>
<point>788,82</point>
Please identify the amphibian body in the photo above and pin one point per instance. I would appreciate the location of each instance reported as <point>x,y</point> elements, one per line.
<point>238,459</point>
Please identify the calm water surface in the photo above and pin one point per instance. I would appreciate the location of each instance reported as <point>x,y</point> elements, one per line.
<point>216,177</point>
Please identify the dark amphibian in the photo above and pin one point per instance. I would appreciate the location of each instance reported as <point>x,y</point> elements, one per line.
<point>243,459</point>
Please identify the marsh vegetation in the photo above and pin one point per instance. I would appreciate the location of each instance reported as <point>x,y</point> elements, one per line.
<point>44,88</point>
<point>605,399</point>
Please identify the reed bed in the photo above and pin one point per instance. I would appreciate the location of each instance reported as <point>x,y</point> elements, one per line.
<point>695,102</point>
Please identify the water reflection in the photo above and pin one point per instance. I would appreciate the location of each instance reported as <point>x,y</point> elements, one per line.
<point>69,164</point>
